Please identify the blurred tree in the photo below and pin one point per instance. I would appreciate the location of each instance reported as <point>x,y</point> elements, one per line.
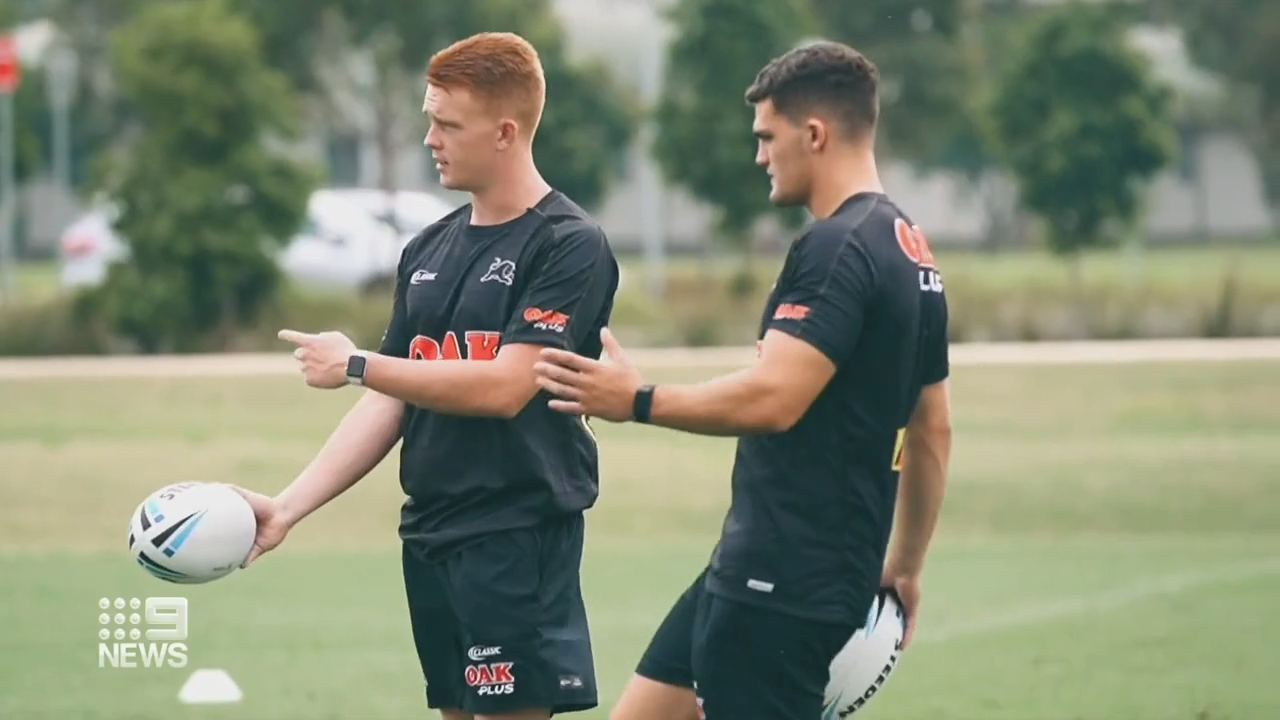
<point>1241,40</point>
<point>347,53</point>
<point>928,74</point>
<point>32,141</point>
<point>98,117</point>
<point>704,140</point>
<point>1082,125</point>
<point>201,196</point>
<point>586,130</point>
<point>292,34</point>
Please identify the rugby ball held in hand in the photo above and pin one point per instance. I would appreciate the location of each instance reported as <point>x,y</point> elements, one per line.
<point>192,533</point>
<point>866,661</point>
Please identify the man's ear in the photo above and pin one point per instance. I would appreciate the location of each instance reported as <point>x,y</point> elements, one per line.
<point>508,131</point>
<point>818,134</point>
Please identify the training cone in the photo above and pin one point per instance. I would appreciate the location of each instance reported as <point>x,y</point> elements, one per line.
<point>206,687</point>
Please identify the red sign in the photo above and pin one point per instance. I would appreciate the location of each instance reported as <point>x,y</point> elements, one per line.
<point>10,74</point>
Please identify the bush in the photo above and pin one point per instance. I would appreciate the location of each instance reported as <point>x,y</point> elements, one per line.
<point>61,326</point>
<point>74,325</point>
<point>992,298</point>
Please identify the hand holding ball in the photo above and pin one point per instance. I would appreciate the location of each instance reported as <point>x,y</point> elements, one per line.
<point>192,533</point>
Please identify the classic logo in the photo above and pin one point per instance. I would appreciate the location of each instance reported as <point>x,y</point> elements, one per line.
<point>480,652</point>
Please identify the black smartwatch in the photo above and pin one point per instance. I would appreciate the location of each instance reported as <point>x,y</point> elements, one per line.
<point>355,368</point>
<point>643,404</point>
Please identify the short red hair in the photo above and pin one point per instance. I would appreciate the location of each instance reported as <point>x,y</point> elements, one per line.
<point>502,68</point>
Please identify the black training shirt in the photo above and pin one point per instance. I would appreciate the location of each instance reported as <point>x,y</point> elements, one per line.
<point>462,292</point>
<point>811,510</point>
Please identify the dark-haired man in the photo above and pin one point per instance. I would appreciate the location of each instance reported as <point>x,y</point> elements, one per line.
<point>845,410</point>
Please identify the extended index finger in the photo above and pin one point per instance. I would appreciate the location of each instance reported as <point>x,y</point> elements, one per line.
<point>567,359</point>
<point>295,337</point>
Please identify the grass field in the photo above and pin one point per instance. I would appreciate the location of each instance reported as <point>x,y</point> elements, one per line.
<point>1176,266</point>
<point>1256,264</point>
<point>1110,550</point>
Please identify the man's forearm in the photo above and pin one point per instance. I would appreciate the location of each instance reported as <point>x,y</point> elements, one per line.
<point>733,405</point>
<point>921,487</point>
<point>361,441</point>
<point>478,388</point>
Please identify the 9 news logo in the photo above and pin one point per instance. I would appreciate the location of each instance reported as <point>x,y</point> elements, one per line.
<point>166,631</point>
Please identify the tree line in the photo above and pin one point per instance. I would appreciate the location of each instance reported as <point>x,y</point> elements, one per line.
<point>177,96</point>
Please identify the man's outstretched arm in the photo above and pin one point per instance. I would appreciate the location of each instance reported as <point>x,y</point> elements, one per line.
<point>817,319</point>
<point>362,439</point>
<point>485,388</point>
<point>768,397</point>
<point>574,278</point>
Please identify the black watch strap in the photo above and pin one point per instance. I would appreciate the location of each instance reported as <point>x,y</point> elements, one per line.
<point>643,404</point>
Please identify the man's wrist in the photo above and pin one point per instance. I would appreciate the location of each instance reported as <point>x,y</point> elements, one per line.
<point>357,366</point>
<point>897,566</point>
<point>284,510</point>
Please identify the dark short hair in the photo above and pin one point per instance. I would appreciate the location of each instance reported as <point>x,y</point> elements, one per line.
<point>822,75</point>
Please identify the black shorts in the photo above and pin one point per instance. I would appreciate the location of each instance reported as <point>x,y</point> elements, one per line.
<point>744,662</point>
<point>500,624</point>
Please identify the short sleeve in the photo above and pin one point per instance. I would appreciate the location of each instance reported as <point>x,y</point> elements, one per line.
<point>824,293</point>
<point>937,352</point>
<point>573,280</point>
<point>397,337</point>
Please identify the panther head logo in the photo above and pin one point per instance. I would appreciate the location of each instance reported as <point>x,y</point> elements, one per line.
<point>503,271</point>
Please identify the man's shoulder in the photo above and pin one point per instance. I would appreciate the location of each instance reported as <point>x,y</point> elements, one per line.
<point>569,223</point>
<point>874,219</point>
<point>870,222</point>
<point>862,215</point>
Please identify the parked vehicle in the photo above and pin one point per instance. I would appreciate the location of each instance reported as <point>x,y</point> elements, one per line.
<point>342,242</point>
<point>408,211</point>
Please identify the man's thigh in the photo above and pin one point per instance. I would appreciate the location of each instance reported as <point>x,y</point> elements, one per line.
<point>663,686</point>
<point>752,663</point>
<point>669,657</point>
<point>521,621</point>
<point>435,631</point>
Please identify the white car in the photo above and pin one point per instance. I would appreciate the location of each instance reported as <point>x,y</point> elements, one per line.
<point>87,247</point>
<point>340,244</point>
<point>407,210</point>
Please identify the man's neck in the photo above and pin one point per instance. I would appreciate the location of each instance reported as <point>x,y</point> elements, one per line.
<point>510,197</point>
<point>841,180</point>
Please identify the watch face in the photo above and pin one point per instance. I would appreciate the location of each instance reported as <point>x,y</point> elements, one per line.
<point>355,366</point>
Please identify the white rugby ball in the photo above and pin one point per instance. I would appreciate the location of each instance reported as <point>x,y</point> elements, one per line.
<point>192,533</point>
<point>866,661</point>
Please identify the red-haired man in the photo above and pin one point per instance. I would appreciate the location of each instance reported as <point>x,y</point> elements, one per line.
<point>497,485</point>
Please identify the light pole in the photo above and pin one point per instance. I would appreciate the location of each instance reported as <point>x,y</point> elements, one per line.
<point>61,68</point>
<point>9,79</point>
<point>652,210</point>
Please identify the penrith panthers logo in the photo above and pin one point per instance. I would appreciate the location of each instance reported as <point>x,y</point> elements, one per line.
<point>503,271</point>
